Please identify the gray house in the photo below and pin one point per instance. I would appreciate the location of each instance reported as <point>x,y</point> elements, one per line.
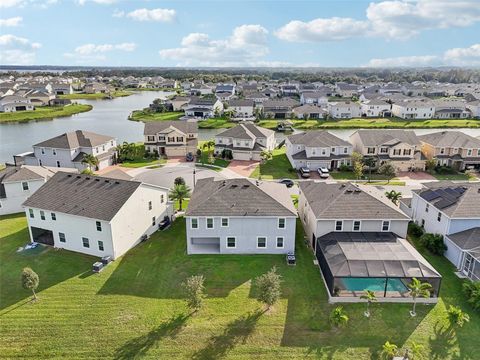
<point>240,216</point>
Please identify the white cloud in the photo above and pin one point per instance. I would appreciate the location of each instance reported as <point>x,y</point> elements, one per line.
<point>245,47</point>
<point>15,50</point>
<point>396,19</point>
<point>102,2</point>
<point>89,53</point>
<point>160,15</point>
<point>10,3</point>
<point>463,56</point>
<point>14,21</point>
<point>17,57</point>
<point>404,61</point>
<point>322,29</point>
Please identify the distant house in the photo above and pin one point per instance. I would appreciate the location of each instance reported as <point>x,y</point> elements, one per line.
<point>344,109</point>
<point>314,98</point>
<point>240,216</point>
<point>242,108</point>
<point>376,108</point>
<point>95,88</point>
<point>399,147</point>
<point>17,183</point>
<point>257,97</point>
<point>245,141</point>
<point>61,89</point>
<point>69,149</point>
<point>309,112</point>
<point>95,215</point>
<point>346,90</point>
<point>318,148</point>
<point>289,90</point>
<point>203,108</point>
<point>413,109</point>
<point>391,88</point>
<point>14,103</point>
<point>225,92</point>
<point>171,138</point>
<point>474,108</point>
<point>450,109</point>
<point>179,102</point>
<point>201,89</point>
<point>279,109</point>
<point>39,98</point>
<point>451,148</point>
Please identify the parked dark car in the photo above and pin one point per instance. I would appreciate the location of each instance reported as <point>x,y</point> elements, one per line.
<point>305,172</point>
<point>287,182</point>
<point>189,157</point>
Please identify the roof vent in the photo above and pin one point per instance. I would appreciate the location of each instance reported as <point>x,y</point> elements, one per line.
<point>349,191</point>
<point>79,177</point>
<point>107,181</point>
<point>117,182</point>
<point>87,178</point>
<point>233,186</point>
<point>245,186</point>
<point>357,190</point>
<point>97,179</point>
<point>343,185</point>
<point>69,175</point>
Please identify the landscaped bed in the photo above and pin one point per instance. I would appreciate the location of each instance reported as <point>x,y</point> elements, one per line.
<point>44,112</point>
<point>135,307</point>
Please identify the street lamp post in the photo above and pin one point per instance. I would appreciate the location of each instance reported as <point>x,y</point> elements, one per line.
<point>194,177</point>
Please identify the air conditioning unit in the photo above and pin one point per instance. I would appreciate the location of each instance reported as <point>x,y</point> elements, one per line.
<point>106,260</point>
<point>144,238</point>
<point>97,267</point>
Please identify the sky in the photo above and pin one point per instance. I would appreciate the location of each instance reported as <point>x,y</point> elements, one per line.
<point>270,33</point>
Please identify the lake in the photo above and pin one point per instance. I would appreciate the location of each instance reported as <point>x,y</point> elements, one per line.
<point>109,117</point>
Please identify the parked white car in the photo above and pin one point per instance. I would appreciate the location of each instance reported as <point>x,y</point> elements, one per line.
<point>323,172</point>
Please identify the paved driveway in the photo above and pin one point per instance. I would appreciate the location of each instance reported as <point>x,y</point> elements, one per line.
<point>166,175</point>
<point>243,167</point>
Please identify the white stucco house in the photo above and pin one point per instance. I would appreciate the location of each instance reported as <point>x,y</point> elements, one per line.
<point>13,103</point>
<point>414,109</point>
<point>95,215</point>
<point>240,216</point>
<point>344,109</point>
<point>242,108</point>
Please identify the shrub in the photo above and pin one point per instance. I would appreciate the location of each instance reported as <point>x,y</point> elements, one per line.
<point>292,170</point>
<point>434,243</point>
<point>456,316</point>
<point>472,292</point>
<point>194,291</point>
<point>269,287</point>
<point>415,230</point>
<point>445,170</point>
<point>344,167</point>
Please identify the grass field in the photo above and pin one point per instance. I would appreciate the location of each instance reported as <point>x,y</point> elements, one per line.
<point>134,308</point>
<point>44,112</point>
<point>77,96</point>
<point>140,115</point>
<point>276,168</point>
<point>458,176</point>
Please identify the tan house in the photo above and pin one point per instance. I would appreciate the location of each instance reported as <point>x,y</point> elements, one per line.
<point>400,147</point>
<point>171,138</point>
<point>452,148</point>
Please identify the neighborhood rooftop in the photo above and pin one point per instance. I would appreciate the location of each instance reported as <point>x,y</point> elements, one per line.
<point>317,138</point>
<point>387,137</point>
<point>246,131</point>
<point>451,139</point>
<point>153,127</point>
<point>75,139</point>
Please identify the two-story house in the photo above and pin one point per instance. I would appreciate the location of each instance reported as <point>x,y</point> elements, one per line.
<point>245,141</point>
<point>12,103</point>
<point>344,109</point>
<point>376,108</point>
<point>225,92</point>
<point>413,109</point>
<point>450,108</point>
<point>347,90</point>
<point>17,183</point>
<point>316,149</point>
<point>452,148</point>
<point>400,147</point>
<point>279,108</point>
<point>203,108</point>
<point>69,149</point>
<point>242,108</point>
<point>359,242</point>
<point>318,98</point>
<point>171,138</point>
<point>452,210</point>
<point>95,215</point>
<point>240,216</point>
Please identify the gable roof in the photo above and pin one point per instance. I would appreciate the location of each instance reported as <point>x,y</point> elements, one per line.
<point>75,139</point>
<point>387,137</point>
<point>246,131</point>
<point>317,138</point>
<point>30,172</point>
<point>153,127</point>
<point>240,197</point>
<point>83,195</point>
<point>467,239</point>
<point>347,201</point>
<point>454,139</point>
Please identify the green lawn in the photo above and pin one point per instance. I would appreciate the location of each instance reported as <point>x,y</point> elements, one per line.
<point>141,115</point>
<point>276,168</point>
<point>76,96</point>
<point>44,112</point>
<point>134,308</point>
<point>457,176</point>
<point>143,162</point>
<point>203,159</point>
<point>216,123</point>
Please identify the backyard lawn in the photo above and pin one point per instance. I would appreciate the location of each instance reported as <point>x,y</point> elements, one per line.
<point>141,115</point>
<point>44,112</point>
<point>203,159</point>
<point>76,96</point>
<point>276,168</point>
<point>134,308</point>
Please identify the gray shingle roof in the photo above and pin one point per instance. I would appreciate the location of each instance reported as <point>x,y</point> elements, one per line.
<point>467,239</point>
<point>391,137</point>
<point>453,139</point>
<point>83,195</point>
<point>241,102</point>
<point>15,173</point>
<point>317,138</point>
<point>246,131</point>
<point>153,127</point>
<point>347,201</point>
<point>75,139</point>
<point>240,197</point>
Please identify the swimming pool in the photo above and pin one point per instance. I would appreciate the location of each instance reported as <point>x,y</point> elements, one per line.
<point>373,284</point>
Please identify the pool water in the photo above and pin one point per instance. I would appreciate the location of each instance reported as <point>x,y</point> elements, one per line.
<point>373,284</point>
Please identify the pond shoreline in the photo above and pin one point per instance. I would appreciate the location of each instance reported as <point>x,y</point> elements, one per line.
<point>44,113</point>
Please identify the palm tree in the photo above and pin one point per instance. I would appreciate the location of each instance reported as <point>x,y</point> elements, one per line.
<point>418,289</point>
<point>416,350</point>
<point>338,316</point>
<point>393,196</point>
<point>90,160</point>
<point>389,350</point>
<point>370,297</point>
<point>457,317</point>
<point>179,193</point>
<point>266,155</point>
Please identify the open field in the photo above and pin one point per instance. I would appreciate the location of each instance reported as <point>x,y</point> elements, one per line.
<point>76,96</point>
<point>134,308</point>
<point>44,112</point>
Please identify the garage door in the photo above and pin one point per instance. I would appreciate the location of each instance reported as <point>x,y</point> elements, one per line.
<point>237,155</point>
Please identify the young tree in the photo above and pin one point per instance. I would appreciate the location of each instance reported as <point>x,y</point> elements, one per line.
<point>357,164</point>
<point>179,181</point>
<point>388,170</point>
<point>338,317</point>
<point>211,159</point>
<point>179,193</point>
<point>370,297</point>
<point>194,291</point>
<point>415,350</point>
<point>90,160</point>
<point>266,155</point>
<point>389,350</point>
<point>393,196</point>
<point>30,281</point>
<point>430,165</point>
<point>268,286</point>
<point>457,317</point>
<point>370,162</point>
<point>418,289</point>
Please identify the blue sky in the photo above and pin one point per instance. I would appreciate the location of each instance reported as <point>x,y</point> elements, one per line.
<point>240,33</point>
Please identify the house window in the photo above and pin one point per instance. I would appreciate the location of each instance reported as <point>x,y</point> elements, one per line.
<point>423,223</point>
<point>338,225</point>
<point>332,150</point>
<point>371,150</point>
<point>30,211</point>
<point>324,151</point>
<point>209,223</point>
<point>98,224</point>
<point>261,242</point>
<point>442,151</point>
<point>478,152</point>
<point>383,150</point>
<point>281,223</point>
<point>61,237</point>
<point>397,151</point>
<point>180,139</point>
<point>356,225</point>
<point>54,216</point>
<point>231,242</point>
<point>224,222</point>
<point>279,242</point>
<point>439,216</point>
<point>40,162</point>
<point>86,242</point>
<point>385,225</point>
<point>111,143</point>
<point>25,186</point>
<point>345,150</point>
<point>58,163</point>
<point>238,143</point>
<point>103,147</point>
<point>149,205</point>
<point>42,214</point>
<point>407,151</point>
<point>162,198</point>
<point>153,221</point>
<point>469,152</point>
<point>100,245</point>
<point>43,151</point>
<point>194,223</point>
<point>150,138</point>
<point>54,151</point>
<point>427,207</point>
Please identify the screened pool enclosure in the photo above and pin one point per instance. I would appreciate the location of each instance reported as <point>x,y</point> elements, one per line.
<point>352,262</point>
